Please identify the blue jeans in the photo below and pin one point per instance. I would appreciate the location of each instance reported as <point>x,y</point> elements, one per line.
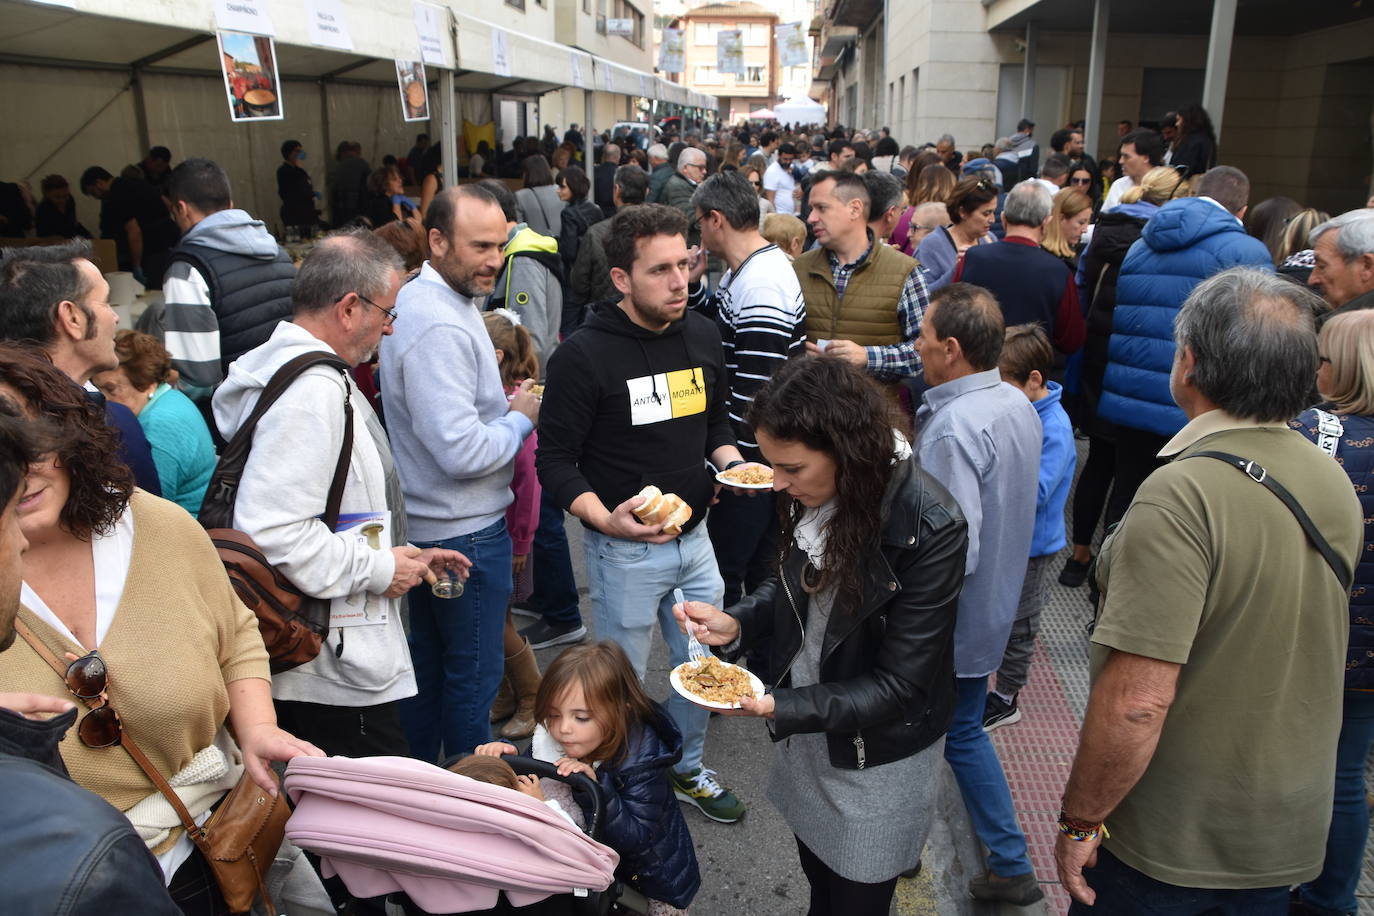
<point>555,590</point>
<point>1333,891</point>
<point>982,783</point>
<point>1123,891</point>
<point>631,585</point>
<point>455,646</point>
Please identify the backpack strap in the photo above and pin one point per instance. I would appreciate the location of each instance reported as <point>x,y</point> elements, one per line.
<point>1259,475</point>
<point>223,488</point>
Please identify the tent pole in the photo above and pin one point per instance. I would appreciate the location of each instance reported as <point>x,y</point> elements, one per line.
<point>140,111</point>
<point>448,126</point>
<point>324,115</point>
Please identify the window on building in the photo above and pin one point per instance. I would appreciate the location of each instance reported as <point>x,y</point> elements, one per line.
<point>915,95</point>
<point>518,4</point>
<point>586,6</point>
<point>707,76</point>
<point>601,17</point>
<point>706,33</point>
<point>753,74</point>
<point>755,34</point>
<point>620,9</point>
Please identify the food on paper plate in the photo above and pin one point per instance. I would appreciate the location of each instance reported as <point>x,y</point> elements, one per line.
<point>716,681</point>
<point>666,509</point>
<point>749,475</point>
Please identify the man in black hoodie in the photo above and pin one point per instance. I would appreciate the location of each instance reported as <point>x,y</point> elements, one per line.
<point>640,396</point>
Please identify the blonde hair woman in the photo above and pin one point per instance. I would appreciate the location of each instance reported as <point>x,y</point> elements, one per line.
<point>1345,379</point>
<point>1070,215</point>
<point>1294,256</point>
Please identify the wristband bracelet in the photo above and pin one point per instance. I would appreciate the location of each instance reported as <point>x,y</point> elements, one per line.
<point>1077,822</point>
<point>734,464</point>
<point>1083,836</point>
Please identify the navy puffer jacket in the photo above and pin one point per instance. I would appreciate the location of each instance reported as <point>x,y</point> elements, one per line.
<point>642,820</point>
<point>1355,452</point>
<point>1183,244</point>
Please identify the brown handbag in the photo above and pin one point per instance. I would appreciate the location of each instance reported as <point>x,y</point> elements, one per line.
<point>293,624</point>
<point>239,840</point>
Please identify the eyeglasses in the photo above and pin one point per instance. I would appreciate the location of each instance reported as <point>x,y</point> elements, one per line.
<point>87,678</point>
<point>390,313</point>
<point>1322,359</point>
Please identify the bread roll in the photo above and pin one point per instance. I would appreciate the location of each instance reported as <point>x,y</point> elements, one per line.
<point>666,509</point>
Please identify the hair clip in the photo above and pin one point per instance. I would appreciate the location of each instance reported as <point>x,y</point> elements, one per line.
<point>508,315</point>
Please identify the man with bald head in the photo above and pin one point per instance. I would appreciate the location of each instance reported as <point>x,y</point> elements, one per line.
<point>455,438</point>
<point>678,191</point>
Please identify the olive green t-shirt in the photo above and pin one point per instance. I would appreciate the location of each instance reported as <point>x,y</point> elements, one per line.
<point>1210,570</point>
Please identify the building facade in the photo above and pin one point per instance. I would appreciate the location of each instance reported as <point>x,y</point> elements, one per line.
<point>738,95</point>
<point>1291,94</point>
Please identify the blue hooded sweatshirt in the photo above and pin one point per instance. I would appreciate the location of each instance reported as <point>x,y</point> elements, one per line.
<point>1183,244</point>
<point>1057,460</point>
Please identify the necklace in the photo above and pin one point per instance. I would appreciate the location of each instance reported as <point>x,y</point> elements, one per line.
<point>810,578</point>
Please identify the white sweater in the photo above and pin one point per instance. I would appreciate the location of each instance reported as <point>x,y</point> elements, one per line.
<point>281,498</point>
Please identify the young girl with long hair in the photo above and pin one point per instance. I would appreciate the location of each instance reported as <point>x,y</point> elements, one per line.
<point>595,719</point>
<point>517,361</point>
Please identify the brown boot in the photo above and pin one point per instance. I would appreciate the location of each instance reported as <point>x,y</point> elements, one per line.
<point>504,704</point>
<point>524,677</point>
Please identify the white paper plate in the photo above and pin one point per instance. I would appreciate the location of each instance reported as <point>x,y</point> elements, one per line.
<point>722,479</point>
<point>676,681</point>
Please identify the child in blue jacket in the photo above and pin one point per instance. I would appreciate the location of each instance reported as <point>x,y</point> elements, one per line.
<point>1026,359</point>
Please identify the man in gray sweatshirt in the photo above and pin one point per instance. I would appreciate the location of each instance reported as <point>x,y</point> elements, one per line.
<point>455,436</point>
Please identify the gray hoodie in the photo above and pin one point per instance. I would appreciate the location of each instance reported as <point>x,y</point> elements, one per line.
<point>190,328</point>
<point>281,498</point>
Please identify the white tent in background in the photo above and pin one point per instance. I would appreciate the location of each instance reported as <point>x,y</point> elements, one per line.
<point>763,114</point>
<point>801,110</point>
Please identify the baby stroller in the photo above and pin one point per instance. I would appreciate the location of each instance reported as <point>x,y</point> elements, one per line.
<point>442,843</point>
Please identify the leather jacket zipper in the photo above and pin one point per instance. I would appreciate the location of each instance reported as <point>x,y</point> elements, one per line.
<point>796,613</point>
<point>859,748</point>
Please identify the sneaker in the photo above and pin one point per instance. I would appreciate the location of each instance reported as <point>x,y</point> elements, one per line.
<point>1074,573</point>
<point>700,788</point>
<point>1018,890</point>
<point>525,609</point>
<point>997,712</point>
<point>543,634</point>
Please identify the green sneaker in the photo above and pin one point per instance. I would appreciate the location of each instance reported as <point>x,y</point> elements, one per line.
<point>700,788</point>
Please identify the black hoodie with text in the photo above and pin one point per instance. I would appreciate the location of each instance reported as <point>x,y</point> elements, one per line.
<point>625,407</point>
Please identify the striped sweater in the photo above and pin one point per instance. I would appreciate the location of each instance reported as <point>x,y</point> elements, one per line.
<point>762,318</point>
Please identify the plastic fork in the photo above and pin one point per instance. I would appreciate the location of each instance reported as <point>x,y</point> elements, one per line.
<point>696,652</point>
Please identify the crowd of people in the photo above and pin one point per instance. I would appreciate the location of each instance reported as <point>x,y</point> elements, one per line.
<point>917,344</point>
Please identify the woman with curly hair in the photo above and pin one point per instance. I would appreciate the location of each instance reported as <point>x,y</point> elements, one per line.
<point>861,621</point>
<point>182,448</point>
<point>129,585</point>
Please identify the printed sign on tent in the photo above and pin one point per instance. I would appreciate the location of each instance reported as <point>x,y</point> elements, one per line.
<point>429,28</point>
<point>577,79</point>
<point>244,16</point>
<point>410,76</point>
<point>791,44</point>
<point>671,54</point>
<point>500,54</point>
<point>328,25</point>
<point>730,51</point>
<point>251,78</point>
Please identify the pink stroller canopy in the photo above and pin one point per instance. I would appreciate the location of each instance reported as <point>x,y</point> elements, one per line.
<point>387,824</point>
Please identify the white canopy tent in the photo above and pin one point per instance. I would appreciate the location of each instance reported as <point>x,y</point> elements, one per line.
<point>800,110</point>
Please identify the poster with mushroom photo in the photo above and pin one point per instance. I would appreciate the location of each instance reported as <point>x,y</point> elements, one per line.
<point>410,76</point>
<point>251,78</point>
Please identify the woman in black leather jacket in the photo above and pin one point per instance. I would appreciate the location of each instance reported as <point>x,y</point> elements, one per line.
<point>861,620</point>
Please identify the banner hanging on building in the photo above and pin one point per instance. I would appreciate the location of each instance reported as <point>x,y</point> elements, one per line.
<point>671,54</point>
<point>730,51</point>
<point>791,44</point>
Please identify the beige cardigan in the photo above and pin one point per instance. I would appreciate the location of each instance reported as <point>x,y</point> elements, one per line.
<point>179,636</point>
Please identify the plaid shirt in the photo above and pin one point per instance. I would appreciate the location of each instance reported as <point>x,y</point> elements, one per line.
<point>891,361</point>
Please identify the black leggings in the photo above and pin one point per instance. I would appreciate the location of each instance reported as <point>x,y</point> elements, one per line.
<point>832,895</point>
<point>1093,485</point>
